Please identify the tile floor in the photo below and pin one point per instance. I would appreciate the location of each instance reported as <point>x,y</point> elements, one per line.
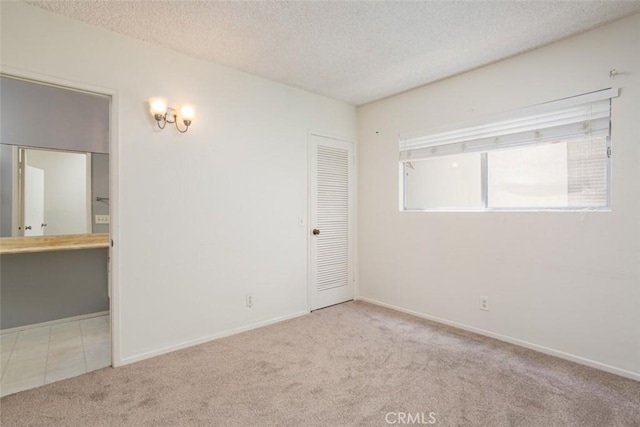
<point>39,356</point>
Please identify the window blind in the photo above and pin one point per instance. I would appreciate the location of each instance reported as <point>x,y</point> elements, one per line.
<point>584,116</point>
<point>587,173</point>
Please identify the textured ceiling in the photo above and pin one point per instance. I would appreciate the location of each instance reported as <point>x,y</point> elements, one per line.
<point>357,51</point>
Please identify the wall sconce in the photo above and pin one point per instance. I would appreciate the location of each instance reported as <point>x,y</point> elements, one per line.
<point>165,114</point>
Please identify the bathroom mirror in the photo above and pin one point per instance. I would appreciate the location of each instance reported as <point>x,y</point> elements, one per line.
<point>46,192</point>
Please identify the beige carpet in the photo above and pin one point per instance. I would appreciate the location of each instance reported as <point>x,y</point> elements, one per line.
<point>351,364</point>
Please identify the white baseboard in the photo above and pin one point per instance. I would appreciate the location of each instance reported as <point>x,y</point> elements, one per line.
<point>53,322</point>
<point>511,340</point>
<point>191,343</point>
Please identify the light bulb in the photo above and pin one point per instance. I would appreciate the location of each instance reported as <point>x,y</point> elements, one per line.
<point>157,106</point>
<point>187,112</point>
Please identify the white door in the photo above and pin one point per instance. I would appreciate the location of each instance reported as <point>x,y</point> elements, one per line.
<point>331,274</point>
<point>33,201</point>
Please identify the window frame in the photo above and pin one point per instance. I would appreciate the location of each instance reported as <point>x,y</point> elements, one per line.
<point>484,181</point>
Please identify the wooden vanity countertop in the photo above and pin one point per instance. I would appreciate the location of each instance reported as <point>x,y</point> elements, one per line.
<point>19,245</point>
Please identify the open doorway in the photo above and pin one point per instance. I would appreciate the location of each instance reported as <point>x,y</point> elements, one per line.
<point>54,233</point>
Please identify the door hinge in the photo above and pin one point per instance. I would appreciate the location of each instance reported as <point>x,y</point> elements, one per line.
<point>609,152</point>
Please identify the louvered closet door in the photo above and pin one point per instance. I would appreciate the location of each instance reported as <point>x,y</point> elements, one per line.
<point>331,222</point>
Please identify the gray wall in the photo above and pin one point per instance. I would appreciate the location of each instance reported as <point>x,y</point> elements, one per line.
<point>99,188</point>
<point>38,115</point>
<point>44,286</point>
<point>6,189</point>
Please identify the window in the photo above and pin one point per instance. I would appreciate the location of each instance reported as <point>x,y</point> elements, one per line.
<point>555,156</point>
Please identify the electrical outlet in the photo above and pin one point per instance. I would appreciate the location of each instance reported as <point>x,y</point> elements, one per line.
<point>102,219</point>
<point>249,300</point>
<point>484,303</point>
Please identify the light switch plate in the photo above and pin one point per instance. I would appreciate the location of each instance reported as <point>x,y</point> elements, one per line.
<point>102,219</point>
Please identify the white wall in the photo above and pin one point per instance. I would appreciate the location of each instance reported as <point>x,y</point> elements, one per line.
<point>561,282</point>
<point>204,217</point>
<point>65,190</point>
